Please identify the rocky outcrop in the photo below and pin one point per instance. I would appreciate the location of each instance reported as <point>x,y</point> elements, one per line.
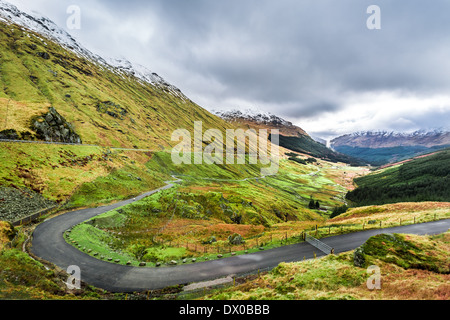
<point>11,134</point>
<point>53,127</point>
<point>112,109</point>
<point>359,259</point>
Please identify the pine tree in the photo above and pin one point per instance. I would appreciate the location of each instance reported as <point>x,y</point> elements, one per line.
<point>312,204</point>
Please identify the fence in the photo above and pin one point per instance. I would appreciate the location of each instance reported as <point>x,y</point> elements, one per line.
<point>256,243</point>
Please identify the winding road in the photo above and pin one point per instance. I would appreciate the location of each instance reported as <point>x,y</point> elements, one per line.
<point>48,244</point>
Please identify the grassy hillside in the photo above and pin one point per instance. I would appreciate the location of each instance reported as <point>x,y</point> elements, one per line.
<point>423,179</point>
<point>105,108</point>
<point>197,218</point>
<point>213,202</point>
<point>412,267</point>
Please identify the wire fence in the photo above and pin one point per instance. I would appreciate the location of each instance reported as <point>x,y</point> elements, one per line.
<point>311,235</point>
<point>225,247</point>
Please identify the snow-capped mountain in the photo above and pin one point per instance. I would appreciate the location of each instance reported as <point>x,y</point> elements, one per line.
<point>143,74</point>
<point>262,119</point>
<point>382,147</point>
<point>291,138</point>
<point>387,139</point>
<point>253,115</point>
<point>42,25</point>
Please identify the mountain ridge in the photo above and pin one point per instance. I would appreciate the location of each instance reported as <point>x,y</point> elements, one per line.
<point>291,137</point>
<point>251,116</point>
<point>108,101</point>
<point>383,147</point>
<point>45,26</point>
<point>383,139</point>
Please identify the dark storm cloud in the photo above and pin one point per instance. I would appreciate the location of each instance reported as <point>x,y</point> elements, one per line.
<point>300,59</point>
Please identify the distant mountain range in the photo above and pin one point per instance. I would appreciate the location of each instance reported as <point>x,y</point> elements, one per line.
<point>292,137</point>
<point>382,147</point>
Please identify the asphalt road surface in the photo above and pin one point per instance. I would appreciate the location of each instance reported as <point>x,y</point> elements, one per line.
<point>48,244</point>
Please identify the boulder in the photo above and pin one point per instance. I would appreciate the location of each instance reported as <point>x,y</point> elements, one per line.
<point>43,55</point>
<point>53,127</point>
<point>359,260</point>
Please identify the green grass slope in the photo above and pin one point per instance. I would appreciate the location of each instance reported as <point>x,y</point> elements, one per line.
<point>412,268</point>
<point>105,107</point>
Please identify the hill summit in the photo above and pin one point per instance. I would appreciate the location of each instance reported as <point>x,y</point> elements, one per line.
<point>106,102</point>
<point>292,137</point>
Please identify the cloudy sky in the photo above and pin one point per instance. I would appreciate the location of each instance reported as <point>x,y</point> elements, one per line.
<point>313,62</point>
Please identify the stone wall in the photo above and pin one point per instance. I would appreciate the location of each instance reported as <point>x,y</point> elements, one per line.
<point>16,204</point>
